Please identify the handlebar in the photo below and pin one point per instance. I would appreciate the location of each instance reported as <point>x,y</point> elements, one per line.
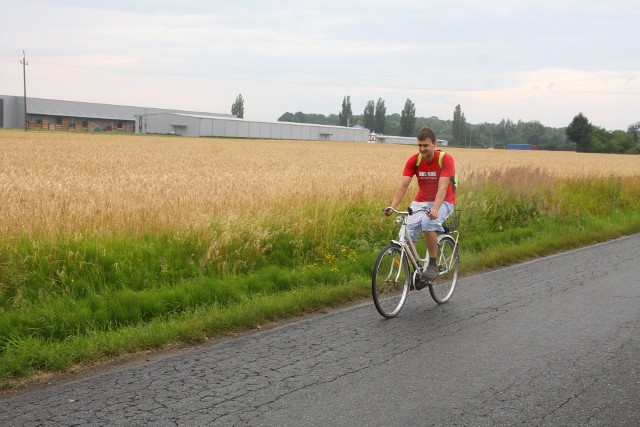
<point>409,211</point>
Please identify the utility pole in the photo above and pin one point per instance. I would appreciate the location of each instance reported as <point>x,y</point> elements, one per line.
<point>24,79</point>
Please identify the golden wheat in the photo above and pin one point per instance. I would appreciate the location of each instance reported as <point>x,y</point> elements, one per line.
<point>67,183</point>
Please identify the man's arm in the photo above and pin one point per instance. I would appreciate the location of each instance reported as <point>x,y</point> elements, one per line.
<point>401,190</point>
<point>443,184</point>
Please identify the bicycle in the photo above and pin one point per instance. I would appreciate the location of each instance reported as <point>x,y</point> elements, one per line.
<point>398,267</point>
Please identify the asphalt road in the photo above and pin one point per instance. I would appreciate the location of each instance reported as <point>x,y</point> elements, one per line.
<point>552,342</point>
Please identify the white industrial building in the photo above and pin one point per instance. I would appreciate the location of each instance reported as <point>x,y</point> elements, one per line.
<point>51,114</point>
<point>199,125</point>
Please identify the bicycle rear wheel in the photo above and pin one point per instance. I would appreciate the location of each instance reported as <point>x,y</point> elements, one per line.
<point>390,280</point>
<point>441,288</point>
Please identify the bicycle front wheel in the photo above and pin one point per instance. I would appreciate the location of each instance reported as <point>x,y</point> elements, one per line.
<point>441,288</point>
<point>390,280</point>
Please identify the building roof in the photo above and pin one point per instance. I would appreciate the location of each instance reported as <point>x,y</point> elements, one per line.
<point>54,107</point>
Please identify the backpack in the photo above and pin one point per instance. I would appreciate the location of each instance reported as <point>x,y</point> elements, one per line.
<point>454,178</point>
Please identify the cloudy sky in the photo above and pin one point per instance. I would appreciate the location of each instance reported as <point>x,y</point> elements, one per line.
<point>544,60</point>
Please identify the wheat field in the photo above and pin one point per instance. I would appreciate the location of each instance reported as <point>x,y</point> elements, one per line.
<point>55,183</point>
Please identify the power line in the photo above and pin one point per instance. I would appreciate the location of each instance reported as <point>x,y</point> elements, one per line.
<point>495,78</point>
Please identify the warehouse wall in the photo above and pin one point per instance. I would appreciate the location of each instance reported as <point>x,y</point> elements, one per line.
<point>12,112</point>
<point>194,125</point>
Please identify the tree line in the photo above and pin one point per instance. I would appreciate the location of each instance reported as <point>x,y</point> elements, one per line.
<point>580,135</point>
<point>374,118</point>
<point>457,131</point>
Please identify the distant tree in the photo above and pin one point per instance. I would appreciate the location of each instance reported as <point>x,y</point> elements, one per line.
<point>346,114</point>
<point>380,116</point>
<point>301,117</point>
<point>369,115</point>
<point>500,132</point>
<point>599,140</point>
<point>531,132</point>
<point>579,131</point>
<point>458,126</point>
<point>237,107</point>
<point>408,118</point>
<point>287,117</point>
<point>634,131</point>
<point>620,142</point>
<point>511,130</point>
<point>392,124</point>
<point>331,119</point>
<point>298,117</point>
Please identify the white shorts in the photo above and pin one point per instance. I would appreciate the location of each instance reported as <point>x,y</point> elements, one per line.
<point>420,222</point>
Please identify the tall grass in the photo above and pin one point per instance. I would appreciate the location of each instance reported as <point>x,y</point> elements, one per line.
<point>177,258</point>
<point>78,184</point>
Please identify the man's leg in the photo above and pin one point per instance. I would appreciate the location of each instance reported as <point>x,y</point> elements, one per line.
<point>431,239</point>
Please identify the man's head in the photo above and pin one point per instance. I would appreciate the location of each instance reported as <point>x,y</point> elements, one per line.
<point>427,142</point>
<point>426,133</point>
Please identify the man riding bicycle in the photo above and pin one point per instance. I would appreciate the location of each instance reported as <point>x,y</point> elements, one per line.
<point>435,192</point>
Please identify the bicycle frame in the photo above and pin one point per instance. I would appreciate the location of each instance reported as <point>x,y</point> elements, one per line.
<point>408,246</point>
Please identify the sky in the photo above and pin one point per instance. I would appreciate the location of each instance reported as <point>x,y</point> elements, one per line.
<point>540,60</point>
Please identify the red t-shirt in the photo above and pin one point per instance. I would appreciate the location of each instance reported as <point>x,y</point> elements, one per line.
<point>428,175</point>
